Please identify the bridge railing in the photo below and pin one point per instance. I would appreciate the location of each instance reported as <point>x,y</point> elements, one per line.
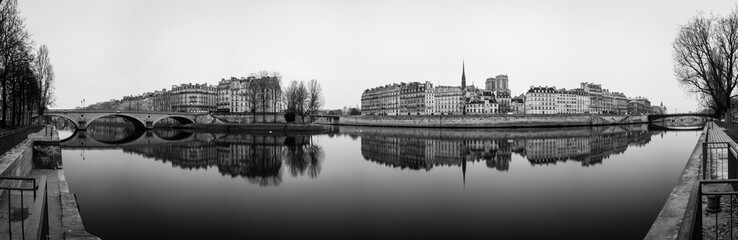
<point>11,138</point>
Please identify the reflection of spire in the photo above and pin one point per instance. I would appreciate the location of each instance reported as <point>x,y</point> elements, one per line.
<point>463,171</point>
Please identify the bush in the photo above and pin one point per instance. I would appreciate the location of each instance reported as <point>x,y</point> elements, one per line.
<point>289,117</point>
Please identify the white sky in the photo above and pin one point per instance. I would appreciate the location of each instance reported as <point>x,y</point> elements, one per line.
<point>110,49</point>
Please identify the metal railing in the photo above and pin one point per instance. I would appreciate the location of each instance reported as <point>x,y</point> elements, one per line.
<point>10,188</point>
<point>698,223</point>
<point>10,139</point>
<point>716,154</point>
<point>719,174</point>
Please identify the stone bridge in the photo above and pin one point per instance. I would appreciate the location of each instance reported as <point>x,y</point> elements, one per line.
<point>140,119</point>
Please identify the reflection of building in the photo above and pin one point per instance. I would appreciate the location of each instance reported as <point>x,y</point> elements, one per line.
<point>418,154</point>
<point>539,151</point>
<point>422,149</point>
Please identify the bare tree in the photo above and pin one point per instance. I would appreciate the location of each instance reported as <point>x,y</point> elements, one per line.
<point>301,95</point>
<point>705,59</point>
<point>296,95</point>
<point>45,75</point>
<point>13,40</point>
<point>252,95</point>
<point>315,98</point>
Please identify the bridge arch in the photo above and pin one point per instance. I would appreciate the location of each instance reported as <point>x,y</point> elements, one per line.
<point>138,123</point>
<point>76,125</point>
<point>179,118</point>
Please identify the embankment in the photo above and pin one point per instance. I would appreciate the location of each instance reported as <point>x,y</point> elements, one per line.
<point>40,155</point>
<point>485,121</point>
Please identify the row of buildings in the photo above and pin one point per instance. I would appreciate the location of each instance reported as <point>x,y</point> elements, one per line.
<point>416,98</point>
<point>237,95</point>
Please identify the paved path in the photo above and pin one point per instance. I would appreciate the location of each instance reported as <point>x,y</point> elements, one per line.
<point>18,213</point>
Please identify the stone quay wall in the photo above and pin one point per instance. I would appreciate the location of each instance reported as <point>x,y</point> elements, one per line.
<point>243,118</point>
<point>471,121</point>
<point>17,162</point>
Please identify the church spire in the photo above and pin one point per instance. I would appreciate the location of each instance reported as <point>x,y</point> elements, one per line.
<point>463,76</point>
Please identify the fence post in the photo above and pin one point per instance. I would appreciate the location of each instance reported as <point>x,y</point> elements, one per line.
<point>732,170</point>
<point>704,160</point>
<point>697,227</point>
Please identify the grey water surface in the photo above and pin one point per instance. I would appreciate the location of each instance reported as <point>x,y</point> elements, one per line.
<point>382,183</point>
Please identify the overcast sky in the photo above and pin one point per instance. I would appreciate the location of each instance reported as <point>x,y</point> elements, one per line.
<point>109,49</point>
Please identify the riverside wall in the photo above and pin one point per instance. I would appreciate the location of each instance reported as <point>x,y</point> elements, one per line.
<point>243,118</point>
<point>472,121</point>
<point>41,152</point>
<point>678,212</point>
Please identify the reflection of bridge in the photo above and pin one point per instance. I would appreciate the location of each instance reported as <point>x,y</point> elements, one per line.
<point>655,117</point>
<point>140,119</point>
<point>80,139</point>
<point>683,121</point>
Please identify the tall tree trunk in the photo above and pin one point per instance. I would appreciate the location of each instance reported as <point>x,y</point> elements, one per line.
<point>5,100</point>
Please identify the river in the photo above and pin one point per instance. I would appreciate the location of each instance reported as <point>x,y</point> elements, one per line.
<point>564,183</point>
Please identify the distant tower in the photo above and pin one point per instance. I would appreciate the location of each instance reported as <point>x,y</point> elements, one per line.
<point>490,84</point>
<point>463,76</point>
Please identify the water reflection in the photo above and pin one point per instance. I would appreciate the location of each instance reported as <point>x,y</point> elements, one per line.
<point>428,148</point>
<point>257,158</point>
<point>262,158</point>
<point>121,187</point>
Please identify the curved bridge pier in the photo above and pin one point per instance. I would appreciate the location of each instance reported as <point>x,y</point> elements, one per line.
<point>140,119</point>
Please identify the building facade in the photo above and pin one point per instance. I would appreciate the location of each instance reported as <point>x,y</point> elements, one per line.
<point>639,106</point>
<point>540,100</point>
<point>384,100</point>
<point>596,98</point>
<point>193,98</point>
<point>448,100</point>
<point>412,98</point>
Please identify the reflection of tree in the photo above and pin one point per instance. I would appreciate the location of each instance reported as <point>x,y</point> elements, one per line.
<point>316,160</point>
<point>257,158</point>
<point>302,158</point>
<point>263,167</point>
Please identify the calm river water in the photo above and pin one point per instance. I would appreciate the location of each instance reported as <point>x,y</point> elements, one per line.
<point>565,183</point>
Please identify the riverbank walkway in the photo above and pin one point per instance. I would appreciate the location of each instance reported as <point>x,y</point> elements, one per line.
<point>51,211</point>
<point>702,203</point>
